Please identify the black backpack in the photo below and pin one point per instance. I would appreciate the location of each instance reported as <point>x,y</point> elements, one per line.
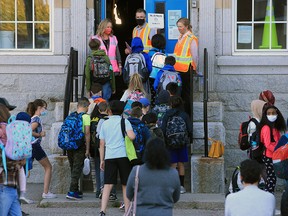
<point>243,138</point>
<point>100,69</point>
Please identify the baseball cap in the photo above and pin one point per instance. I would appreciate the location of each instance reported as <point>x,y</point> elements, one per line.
<point>5,102</point>
<point>145,102</point>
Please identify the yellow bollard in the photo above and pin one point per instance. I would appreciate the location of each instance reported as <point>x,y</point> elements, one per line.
<point>266,31</point>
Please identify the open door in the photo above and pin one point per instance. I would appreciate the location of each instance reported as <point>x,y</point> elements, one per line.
<point>172,10</point>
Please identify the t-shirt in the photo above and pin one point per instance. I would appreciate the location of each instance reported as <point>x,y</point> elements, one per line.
<point>111,133</point>
<point>38,129</point>
<point>86,121</point>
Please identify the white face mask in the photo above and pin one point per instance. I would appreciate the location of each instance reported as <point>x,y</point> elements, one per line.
<point>272,118</point>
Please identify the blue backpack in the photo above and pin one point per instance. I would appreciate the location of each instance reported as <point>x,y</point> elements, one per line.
<point>139,142</point>
<point>71,135</point>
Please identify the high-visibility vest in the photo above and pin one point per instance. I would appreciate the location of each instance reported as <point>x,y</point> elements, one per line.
<point>144,35</point>
<point>111,53</point>
<point>183,55</point>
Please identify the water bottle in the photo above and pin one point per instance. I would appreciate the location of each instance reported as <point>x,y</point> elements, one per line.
<point>253,144</point>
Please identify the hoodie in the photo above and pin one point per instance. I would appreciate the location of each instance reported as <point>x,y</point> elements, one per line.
<point>88,72</point>
<point>137,47</point>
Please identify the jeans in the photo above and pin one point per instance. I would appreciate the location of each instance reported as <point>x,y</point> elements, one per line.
<point>9,203</point>
<point>99,174</point>
<point>106,91</point>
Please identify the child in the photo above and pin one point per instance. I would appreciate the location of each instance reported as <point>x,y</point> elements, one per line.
<point>150,120</point>
<point>36,109</point>
<point>96,97</point>
<point>270,127</point>
<point>166,75</point>
<point>142,134</point>
<point>173,89</point>
<point>100,70</point>
<point>178,155</point>
<point>145,105</point>
<point>162,106</point>
<point>76,156</point>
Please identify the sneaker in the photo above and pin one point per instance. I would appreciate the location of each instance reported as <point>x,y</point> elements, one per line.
<point>24,214</point>
<point>25,200</point>
<point>49,195</point>
<point>122,206</point>
<point>80,193</point>
<point>113,197</point>
<point>102,213</point>
<point>73,196</point>
<point>98,194</point>
<point>182,190</point>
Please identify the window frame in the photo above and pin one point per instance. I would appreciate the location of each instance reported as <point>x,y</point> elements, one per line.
<point>251,51</point>
<point>33,50</point>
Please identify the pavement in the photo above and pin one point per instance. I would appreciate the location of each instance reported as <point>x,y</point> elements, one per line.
<point>189,204</point>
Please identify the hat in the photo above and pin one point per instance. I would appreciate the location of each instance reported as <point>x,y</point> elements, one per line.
<point>163,97</point>
<point>145,102</point>
<point>5,102</point>
<point>267,96</point>
<point>23,116</point>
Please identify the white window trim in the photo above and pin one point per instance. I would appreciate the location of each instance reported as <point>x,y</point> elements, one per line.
<point>49,51</point>
<point>262,52</point>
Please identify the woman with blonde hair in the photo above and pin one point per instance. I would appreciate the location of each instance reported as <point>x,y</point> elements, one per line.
<point>109,44</point>
<point>135,84</point>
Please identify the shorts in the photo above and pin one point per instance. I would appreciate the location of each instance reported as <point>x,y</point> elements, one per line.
<point>37,152</point>
<point>112,166</point>
<point>179,155</point>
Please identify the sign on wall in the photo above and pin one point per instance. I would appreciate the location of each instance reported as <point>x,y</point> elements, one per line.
<point>173,16</point>
<point>156,20</point>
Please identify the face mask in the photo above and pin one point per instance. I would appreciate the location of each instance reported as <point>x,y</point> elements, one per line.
<point>140,21</point>
<point>44,113</point>
<point>108,31</point>
<point>272,118</point>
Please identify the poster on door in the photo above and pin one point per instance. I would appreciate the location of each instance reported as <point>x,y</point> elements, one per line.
<point>173,17</point>
<point>156,20</point>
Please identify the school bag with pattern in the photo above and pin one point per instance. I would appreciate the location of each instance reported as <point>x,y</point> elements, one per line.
<point>176,135</point>
<point>71,135</point>
<point>19,137</point>
<point>243,137</point>
<point>134,96</point>
<point>167,77</point>
<point>280,159</point>
<point>100,69</point>
<point>139,142</point>
<point>135,63</point>
<point>158,60</point>
<point>160,111</point>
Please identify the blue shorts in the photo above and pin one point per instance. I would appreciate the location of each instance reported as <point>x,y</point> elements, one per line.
<point>179,155</point>
<point>37,152</point>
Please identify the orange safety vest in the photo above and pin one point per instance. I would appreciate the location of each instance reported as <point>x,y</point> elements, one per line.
<point>111,53</point>
<point>183,55</point>
<point>143,33</point>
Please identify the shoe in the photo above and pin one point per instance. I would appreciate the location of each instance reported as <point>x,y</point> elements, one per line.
<point>24,214</point>
<point>122,206</point>
<point>73,196</point>
<point>49,195</point>
<point>98,194</point>
<point>113,197</point>
<point>25,200</point>
<point>277,212</point>
<point>102,213</point>
<point>80,193</point>
<point>182,190</point>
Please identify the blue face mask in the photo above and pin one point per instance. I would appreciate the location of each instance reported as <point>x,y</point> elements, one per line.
<point>44,113</point>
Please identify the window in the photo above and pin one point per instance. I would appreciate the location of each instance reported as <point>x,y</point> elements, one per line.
<point>25,25</point>
<point>261,25</point>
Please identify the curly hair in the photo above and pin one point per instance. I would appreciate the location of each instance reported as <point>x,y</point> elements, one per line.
<point>156,155</point>
<point>102,26</point>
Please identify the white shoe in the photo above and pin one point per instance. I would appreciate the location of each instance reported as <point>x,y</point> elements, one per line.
<point>277,212</point>
<point>25,200</point>
<point>49,195</point>
<point>182,190</point>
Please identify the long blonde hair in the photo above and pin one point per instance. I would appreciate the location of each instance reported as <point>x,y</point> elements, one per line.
<point>185,22</point>
<point>135,83</point>
<point>102,26</point>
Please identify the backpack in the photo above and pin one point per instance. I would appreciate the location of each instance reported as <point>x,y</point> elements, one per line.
<point>160,111</point>
<point>235,184</point>
<point>135,63</point>
<point>280,159</point>
<point>176,135</point>
<point>243,137</point>
<point>139,142</point>
<point>19,138</point>
<point>158,60</point>
<point>167,77</point>
<point>156,132</point>
<point>100,69</point>
<point>71,135</point>
<point>134,96</point>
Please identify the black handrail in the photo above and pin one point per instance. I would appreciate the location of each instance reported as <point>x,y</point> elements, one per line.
<point>205,101</point>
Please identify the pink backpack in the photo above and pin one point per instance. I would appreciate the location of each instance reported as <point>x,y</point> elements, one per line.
<point>19,137</point>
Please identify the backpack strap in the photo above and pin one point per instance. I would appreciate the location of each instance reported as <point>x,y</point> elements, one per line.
<point>123,127</point>
<point>235,186</point>
<point>4,163</point>
<point>11,119</point>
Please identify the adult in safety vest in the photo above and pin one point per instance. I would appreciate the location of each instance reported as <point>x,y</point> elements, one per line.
<point>143,30</point>
<point>186,55</point>
<point>109,44</point>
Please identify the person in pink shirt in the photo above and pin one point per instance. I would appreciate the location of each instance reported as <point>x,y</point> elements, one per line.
<point>271,126</point>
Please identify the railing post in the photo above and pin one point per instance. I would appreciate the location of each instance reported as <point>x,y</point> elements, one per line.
<point>75,74</point>
<point>205,101</point>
